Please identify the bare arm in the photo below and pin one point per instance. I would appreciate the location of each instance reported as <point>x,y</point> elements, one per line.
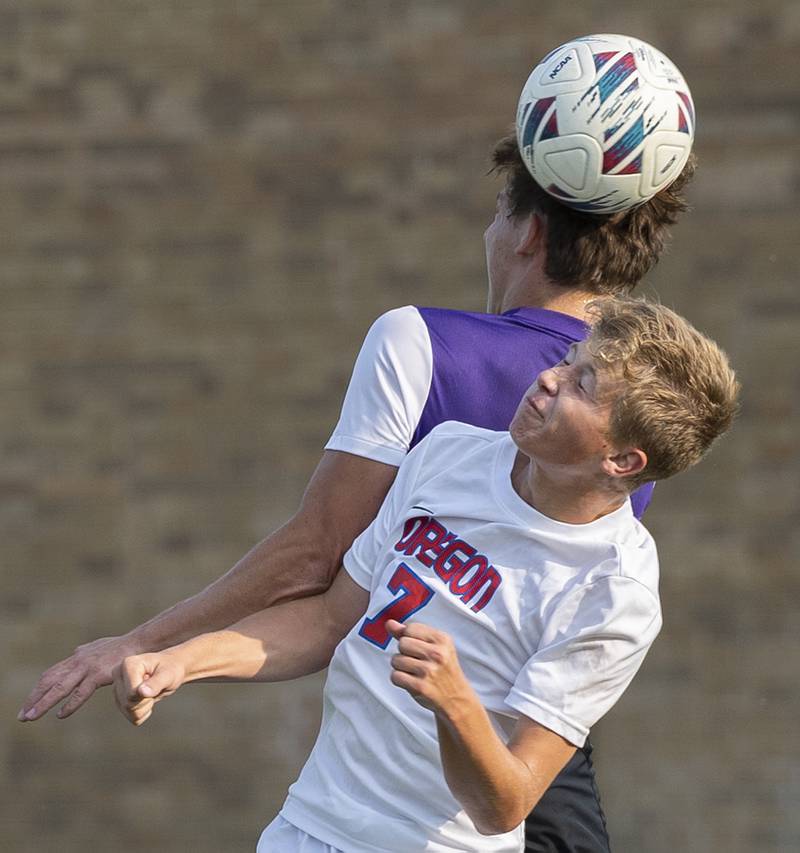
<point>299,559</point>
<point>282,642</point>
<point>497,784</point>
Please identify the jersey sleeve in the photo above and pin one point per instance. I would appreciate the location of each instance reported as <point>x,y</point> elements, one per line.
<point>388,389</point>
<point>365,552</point>
<point>592,645</point>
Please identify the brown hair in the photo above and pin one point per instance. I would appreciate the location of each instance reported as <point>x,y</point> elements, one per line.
<point>681,392</point>
<point>599,253</point>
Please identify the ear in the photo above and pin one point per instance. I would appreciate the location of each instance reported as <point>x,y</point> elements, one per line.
<point>625,464</point>
<point>532,230</point>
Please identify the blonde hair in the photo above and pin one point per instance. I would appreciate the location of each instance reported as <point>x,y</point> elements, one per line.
<point>681,393</point>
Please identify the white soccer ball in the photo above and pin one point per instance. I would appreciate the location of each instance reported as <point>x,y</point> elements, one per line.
<point>604,122</point>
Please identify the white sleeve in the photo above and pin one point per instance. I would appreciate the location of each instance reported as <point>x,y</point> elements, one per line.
<point>591,647</point>
<point>388,389</point>
<point>362,557</point>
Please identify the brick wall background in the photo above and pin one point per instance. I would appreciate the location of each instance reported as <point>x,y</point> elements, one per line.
<point>204,205</point>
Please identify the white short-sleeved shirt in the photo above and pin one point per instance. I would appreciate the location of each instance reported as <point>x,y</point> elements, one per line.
<point>550,620</point>
<point>388,389</point>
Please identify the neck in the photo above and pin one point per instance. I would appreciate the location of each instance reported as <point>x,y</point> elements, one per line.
<point>544,294</point>
<point>573,498</point>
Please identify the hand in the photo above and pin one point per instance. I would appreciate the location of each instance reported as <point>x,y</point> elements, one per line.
<point>427,667</point>
<point>76,678</point>
<point>143,680</point>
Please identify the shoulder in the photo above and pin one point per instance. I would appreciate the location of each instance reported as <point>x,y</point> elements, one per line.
<point>628,581</point>
<point>526,319</point>
<point>620,594</point>
<point>440,324</point>
<point>441,320</point>
<point>466,433</point>
<point>617,563</point>
<point>398,341</point>
<point>397,323</point>
<point>637,557</point>
<point>454,443</point>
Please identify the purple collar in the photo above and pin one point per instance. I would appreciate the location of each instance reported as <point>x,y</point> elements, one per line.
<point>564,323</point>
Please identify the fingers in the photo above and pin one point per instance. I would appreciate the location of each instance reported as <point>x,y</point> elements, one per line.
<point>406,681</point>
<point>143,715</point>
<point>54,685</point>
<point>415,630</point>
<point>418,649</point>
<point>420,641</point>
<point>415,686</point>
<point>80,695</point>
<point>161,680</point>
<point>141,712</point>
<point>419,657</point>
<point>131,673</point>
<point>395,628</point>
<point>127,681</point>
<point>74,679</point>
<point>426,665</point>
<point>413,666</point>
<point>138,712</point>
<point>142,680</point>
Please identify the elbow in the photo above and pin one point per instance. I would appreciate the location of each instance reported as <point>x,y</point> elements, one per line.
<point>496,826</point>
<point>505,813</point>
<point>499,821</point>
<point>502,808</point>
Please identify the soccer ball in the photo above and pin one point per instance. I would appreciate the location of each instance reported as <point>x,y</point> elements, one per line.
<point>604,122</point>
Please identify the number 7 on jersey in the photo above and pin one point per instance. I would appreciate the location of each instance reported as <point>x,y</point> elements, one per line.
<point>414,595</point>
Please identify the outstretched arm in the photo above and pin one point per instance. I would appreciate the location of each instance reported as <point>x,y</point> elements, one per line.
<point>283,642</point>
<point>497,784</point>
<point>299,559</point>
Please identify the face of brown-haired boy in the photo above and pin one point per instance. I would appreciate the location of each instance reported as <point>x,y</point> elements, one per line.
<point>510,242</point>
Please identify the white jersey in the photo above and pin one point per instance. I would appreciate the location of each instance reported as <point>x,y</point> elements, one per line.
<point>550,620</point>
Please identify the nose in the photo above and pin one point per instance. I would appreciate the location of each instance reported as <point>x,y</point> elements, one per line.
<point>548,381</point>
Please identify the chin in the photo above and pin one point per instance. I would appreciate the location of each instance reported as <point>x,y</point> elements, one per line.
<point>519,435</point>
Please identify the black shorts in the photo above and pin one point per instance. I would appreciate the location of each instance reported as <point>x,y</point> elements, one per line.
<point>568,818</point>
